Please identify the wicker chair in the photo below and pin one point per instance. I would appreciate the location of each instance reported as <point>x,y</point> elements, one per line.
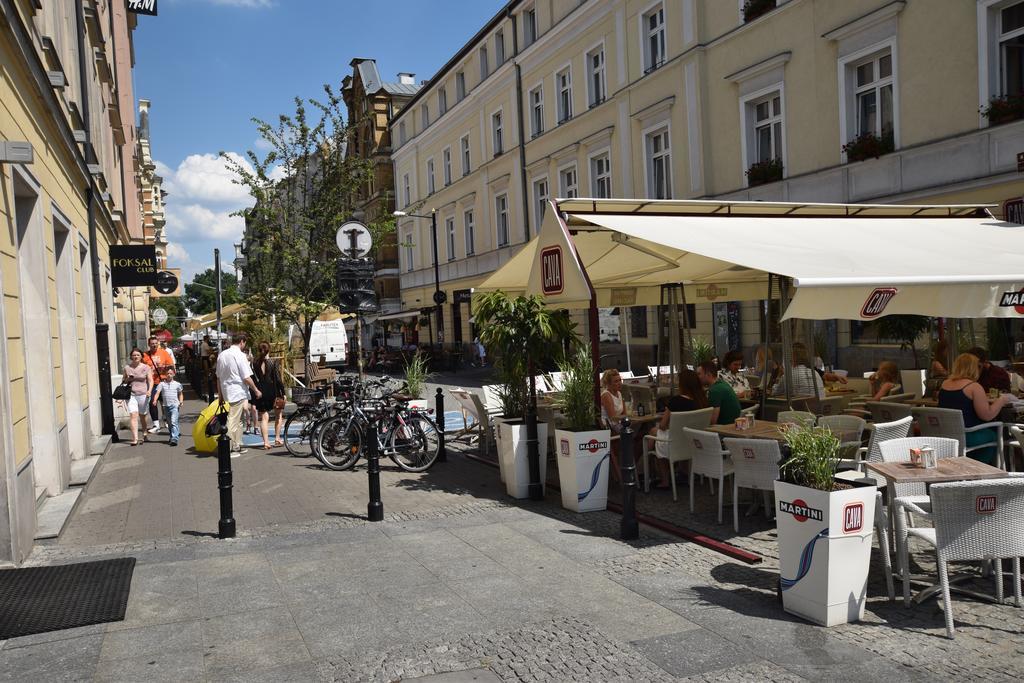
<point>708,459</point>
<point>888,411</point>
<point>756,466</point>
<point>676,441</point>
<point>1015,443</point>
<point>796,416</point>
<point>850,430</point>
<point>880,432</point>
<point>950,423</point>
<point>973,520</point>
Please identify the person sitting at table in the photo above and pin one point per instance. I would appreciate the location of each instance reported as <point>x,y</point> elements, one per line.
<point>885,379</point>
<point>721,397</point>
<point>613,409</point>
<point>691,396</point>
<point>938,365</point>
<point>961,391</point>
<point>732,362</point>
<point>806,382</point>
<point>990,376</point>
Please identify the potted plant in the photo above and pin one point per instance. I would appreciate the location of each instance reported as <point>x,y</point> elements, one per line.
<point>702,350</point>
<point>868,145</point>
<point>583,450</point>
<point>1003,109</point>
<point>762,172</point>
<point>512,394</point>
<point>752,9</point>
<point>526,337</point>
<point>824,530</point>
<point>416,376</point>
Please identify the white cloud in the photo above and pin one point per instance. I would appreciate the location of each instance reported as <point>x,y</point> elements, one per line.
<point>177,254</point>
<point>205,179</point>
<point>193,222</point>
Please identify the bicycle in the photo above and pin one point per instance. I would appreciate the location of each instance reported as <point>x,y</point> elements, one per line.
<point>312,410</point>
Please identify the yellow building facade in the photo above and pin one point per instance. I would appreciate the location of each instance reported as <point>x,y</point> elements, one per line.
<point>63,115</point>
<point>796,100</point>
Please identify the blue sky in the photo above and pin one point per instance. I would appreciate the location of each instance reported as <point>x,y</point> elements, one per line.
<point>209,66</point>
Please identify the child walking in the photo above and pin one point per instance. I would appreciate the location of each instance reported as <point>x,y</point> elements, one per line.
<point>173,394</point>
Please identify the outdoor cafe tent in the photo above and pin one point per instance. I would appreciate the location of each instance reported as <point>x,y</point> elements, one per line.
<point>850,261</point>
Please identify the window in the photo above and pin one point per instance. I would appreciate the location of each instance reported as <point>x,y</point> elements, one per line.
<point>501,219</point>
<point>496,133</point>
<point>595,77</point>
<point>873,96</point>
<point>409,265</point>
<point>406,195</point>
<point>460,86</point>
<point>424,116</point>
<point>654,39</point>
<point>484,66</point>
<point>442,101</point>
<point>659,165</point>
<point>467,222</point>
<point>601,176</point>
<point>540,200</point>
<point>563,82</point>
<point>568,183</point>
<point>446,163</point>
<point>529,26</point>
<point>449,236</point>
<point>430,176</point>
<point>464,145</point>
<point>638,321</point>
<point>768,128</point>
<point>401,133</point>
<point>499,48</point>
<point>536,98</point>
<point>1011,50</point>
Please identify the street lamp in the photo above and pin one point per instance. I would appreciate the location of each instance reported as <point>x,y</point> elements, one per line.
<point>439,296</point>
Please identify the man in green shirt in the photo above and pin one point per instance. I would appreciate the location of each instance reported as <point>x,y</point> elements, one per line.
<point>721,397</point>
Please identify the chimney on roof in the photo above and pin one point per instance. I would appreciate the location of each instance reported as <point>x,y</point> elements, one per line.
<point>406,78</point>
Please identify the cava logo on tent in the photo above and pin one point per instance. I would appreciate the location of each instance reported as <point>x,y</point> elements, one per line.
<point>551,270</point>
<point>877,301</point>
<point>800,511</point>
<point>1014,299</point>
<point>853,517</point>
<point>748,453</point>
<point>985,505</point>
<point>593,446</point>
<point>564,447</point>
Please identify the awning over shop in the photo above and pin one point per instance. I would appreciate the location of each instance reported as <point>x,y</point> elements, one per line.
<point>846,261</point>
<point>400,316</point>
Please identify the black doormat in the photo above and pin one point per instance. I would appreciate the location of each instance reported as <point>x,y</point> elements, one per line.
<point>41,599</point>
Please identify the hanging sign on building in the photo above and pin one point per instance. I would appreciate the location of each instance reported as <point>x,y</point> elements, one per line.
<point>168,283</point>
<point>147,7</point>
<point>132,265</point>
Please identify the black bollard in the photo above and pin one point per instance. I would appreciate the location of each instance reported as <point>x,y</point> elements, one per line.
<point>629,528</point>
<point>442,452</point>
<point>224,479</point>
<point>375,508</point>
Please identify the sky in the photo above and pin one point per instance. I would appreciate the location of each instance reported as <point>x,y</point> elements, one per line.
<point>209,66</point>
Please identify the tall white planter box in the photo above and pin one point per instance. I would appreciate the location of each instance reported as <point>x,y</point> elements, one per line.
<point>583,468</point>
<point>824,551</point>
<point>498,422</point>
<point>512,450</point>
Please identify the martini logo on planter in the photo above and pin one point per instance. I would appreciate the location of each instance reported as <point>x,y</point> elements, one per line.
<point>1013,299</point>
<point>877,301</point>
<point>853,517</point>
<point>551,270</point>
<point>800,511</point>
<point>593,446</point>
<point>985,505</point>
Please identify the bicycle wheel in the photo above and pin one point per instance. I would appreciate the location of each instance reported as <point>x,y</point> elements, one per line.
<point>339,442</point>
<point>296,433</point>
<point>414,446</point>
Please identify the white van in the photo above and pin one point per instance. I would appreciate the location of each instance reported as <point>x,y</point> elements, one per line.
<point>328,343</point>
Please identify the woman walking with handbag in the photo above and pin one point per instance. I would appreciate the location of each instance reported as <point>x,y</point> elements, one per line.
<point>268,378</point>
<point>139,377</point>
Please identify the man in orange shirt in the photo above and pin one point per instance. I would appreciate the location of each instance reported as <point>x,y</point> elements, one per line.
<point>159,360</point>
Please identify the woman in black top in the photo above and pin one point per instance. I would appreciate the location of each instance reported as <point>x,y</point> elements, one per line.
<point>691,396</point>
<point>962,392</point>
<point>267,376</point>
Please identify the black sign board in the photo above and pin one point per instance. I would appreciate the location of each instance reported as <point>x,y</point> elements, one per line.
<point>354,279</point>
<point>1013,210</point>
<point>147,7</point>
<point>166,282</point>
<point>133,265</point>
<point>462,296</point>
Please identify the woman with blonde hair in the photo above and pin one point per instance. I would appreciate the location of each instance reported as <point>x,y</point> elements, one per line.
<point>885,379</point>
<point>613,407</point>
<point>962,392</point>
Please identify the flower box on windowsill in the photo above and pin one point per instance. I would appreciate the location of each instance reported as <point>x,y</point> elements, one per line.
<point>762,172</point>
<point>752,9</point>
<point>868,146</point>
<point>1004,109</point>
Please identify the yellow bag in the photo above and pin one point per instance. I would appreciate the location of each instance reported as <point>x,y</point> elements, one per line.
<point>204,443</point>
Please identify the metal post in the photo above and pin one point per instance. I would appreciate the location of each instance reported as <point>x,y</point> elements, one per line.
<point>226,525</point>
<point>437,281</point>
<point>536,487</point>
<point>629,528</point>
<point>216,271</point>
<point>442,455</point>
<point>375,508</point>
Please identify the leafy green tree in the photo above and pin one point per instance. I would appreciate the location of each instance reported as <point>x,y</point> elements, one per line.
<point>905,329</point>
<point>201,300</point>
<point>290,230</point>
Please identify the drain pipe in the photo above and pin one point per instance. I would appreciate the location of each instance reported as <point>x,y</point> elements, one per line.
<point>102,329</point>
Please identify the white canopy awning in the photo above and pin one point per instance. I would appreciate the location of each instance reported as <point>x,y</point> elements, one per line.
<point>846,261</point>
<point>399,316</point>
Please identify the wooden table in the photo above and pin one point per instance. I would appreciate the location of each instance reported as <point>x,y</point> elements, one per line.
<point>762,429</point>
<point>946,469</point>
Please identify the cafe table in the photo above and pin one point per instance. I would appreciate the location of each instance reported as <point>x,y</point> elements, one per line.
<point>762,429</point>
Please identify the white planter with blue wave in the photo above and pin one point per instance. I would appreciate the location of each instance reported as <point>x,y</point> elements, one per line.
<point>512,450</point>
<point>583,468</point>
<point>824,551</point>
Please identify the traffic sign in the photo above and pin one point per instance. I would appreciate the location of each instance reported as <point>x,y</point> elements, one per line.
<point>159,316</point>
<point>440,297</point>
<point>353,239</point>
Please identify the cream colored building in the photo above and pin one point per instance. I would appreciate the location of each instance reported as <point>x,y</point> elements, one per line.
<point>679,99</point>
<point>71,121</point>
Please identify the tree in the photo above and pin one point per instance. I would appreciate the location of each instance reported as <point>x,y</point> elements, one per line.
<point>290,230</point>
<point>905,329</point>
<point>201,300</point>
